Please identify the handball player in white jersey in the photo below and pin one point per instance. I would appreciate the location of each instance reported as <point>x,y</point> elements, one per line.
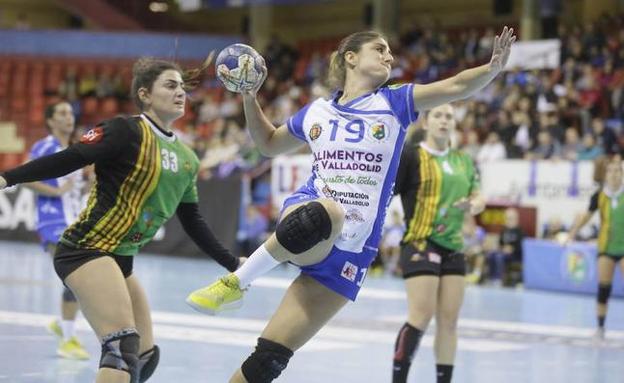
<point>59,201</point>
<point>331,226</point>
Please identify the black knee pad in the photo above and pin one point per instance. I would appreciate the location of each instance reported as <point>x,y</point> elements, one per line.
<point>267,362</point>
<point>148,362</point>
<point>306,226</point>
<point>68,295</point>
<point>120,351</point>
<point>604,292</point>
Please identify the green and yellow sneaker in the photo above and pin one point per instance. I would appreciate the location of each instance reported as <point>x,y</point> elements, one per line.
<point>72,349</point>
<point>224,294</point>
<point>54,328</point>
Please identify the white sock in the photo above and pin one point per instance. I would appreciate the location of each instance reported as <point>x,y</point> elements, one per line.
<point>68,329</point>
<point>258,263</point>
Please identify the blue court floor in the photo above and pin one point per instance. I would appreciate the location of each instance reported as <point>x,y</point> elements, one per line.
<point>509,336</point>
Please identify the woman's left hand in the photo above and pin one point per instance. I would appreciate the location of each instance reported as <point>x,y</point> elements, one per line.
<point>464,204</point>
<point>501,49</point>
<point>473,207</point>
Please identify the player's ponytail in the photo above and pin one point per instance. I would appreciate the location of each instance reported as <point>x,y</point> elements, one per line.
<point>337,73</point>
<point>193,77</point>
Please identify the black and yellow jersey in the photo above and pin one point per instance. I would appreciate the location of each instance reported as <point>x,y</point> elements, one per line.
<point>430,182</point>
<point>611,234</point>
<point>142,174</point>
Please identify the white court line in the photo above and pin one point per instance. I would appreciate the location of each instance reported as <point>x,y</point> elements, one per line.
<point>365,292</point>
<point>244,332</point>
<point>31,374</point>
<point>522,328</point>
<point>7,338</point>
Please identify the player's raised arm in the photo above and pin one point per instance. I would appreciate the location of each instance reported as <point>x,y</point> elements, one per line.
<point>467,82</point>
<point>269,140</point>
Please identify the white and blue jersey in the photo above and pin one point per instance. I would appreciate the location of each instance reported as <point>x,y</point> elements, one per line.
<point>54,214</point>
<point>356,149</point>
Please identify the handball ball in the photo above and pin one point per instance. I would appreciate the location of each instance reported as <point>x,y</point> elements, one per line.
<point>239,67</point>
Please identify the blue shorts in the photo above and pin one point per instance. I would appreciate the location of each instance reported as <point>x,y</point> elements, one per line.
<point>50,234</point>
<point>342,271</point>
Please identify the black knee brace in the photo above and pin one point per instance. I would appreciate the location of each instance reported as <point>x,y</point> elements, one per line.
<point>68,295</point>
<point>120,351</point>
<point>267,362</point>
<point>604,292</point>
<point>303,228</point>
<point>148,362</point>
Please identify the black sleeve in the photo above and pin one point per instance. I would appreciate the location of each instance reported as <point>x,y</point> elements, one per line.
<point>408,173</point>
<point>105,141</point>
<point>47,167</point>
<point>593,202</point>
<point>196,228</point>
<point>517,246</point>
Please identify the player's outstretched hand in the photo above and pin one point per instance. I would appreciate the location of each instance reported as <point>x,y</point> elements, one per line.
<point>501,49</point>
<point>254,91</point>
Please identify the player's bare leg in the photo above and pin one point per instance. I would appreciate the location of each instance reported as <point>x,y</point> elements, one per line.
<point>101,290</point>
<point>306,307</point>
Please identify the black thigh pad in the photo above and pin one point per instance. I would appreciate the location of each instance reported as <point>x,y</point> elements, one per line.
<point>267,362</point>
<point>303,228</point>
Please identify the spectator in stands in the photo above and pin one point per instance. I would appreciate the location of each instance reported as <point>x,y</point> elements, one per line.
<point>88,83</point>
<point>222,153</point>
<point>471,146</point>
<point>572,146</point>
<point>546,147</point>
<point>605,137</point>
<point>505,264</point>
<point>68,88</point>
<point>553,229</point>
<point>492,150</point>
<point>230,106</point>
<point>474,238</point>
<point>589,151</point>
<point>505,129</point>
<point>105,86</point>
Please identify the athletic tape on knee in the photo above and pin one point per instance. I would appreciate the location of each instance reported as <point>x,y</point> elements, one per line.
<point>604,292</point>
<point>267,362</point>
<point>120,351</point>
<point>68,295</point>
<point>302,229</point>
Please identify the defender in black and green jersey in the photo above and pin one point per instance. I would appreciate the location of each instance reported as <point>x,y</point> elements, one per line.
<point>609,201</point>
<point>438,185</point>
<point>144,175</point>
